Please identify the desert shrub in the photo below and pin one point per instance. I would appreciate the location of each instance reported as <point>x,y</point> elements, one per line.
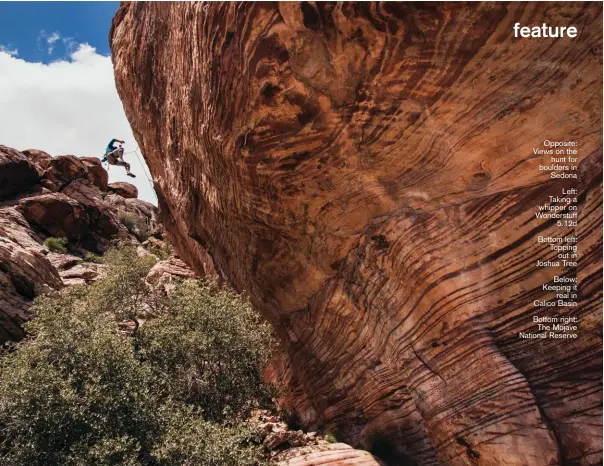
<point>91,257</point>
<point>330,438</point>
<point>56,244</point>
<point>78,391</point>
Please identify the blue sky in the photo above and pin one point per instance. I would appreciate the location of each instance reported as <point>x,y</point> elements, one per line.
<point>27,27</point>
<point>57,90</point>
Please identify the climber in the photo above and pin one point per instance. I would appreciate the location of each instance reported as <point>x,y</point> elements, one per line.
<point>115,156</point>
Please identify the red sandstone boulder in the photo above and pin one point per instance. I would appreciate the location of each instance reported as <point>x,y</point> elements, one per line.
<point>137,206</point>
<point>99,175</point>
<point>103,220</point>
<point>127,190</point>
<point>87,194</point>
<point>57,215</point>
<point>17,172</point>
<point>39,158</point>
<point>65,168</point>
<point>63,261</point>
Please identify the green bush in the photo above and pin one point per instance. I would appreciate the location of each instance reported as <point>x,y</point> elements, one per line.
<point>188,439</point>
<point>330,438</point>
<point>56,244</point>
<point>79,391</point>
<point>210,351</point>
<point>91,257</point>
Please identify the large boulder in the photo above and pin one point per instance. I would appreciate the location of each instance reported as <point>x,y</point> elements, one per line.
<point>57,215</point>
<point>99,175</point>
<point>369,174</point>
<point>104,221</point>
<point>140,217</point>
<point>39,158</point>
<point>63,169</point>
<point>126,190</point>
<point>17,172</point>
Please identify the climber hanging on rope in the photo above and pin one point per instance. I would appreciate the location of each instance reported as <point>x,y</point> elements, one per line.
<point>115,156</point>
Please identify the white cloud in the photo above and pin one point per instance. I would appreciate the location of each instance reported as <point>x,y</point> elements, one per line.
<point>50,40</point>
<point>66,107</point>
<point>70,44</point>
<point>9,51</point>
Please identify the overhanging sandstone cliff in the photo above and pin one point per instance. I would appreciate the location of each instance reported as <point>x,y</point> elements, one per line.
<point>365,172</point>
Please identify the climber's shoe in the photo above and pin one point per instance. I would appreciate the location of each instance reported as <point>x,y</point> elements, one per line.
<point>131,174</point>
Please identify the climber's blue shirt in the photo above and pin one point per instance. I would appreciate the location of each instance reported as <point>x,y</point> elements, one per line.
<point>111,146</point>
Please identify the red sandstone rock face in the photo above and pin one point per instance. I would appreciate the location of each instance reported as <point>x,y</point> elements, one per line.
<point>365,172</point>
<point>25,273</point>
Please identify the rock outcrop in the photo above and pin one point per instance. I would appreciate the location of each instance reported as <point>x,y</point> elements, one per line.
<point>366,173</point>
<point>333,454</point>
<point>16,171</point>
<point>60,197</point>
<point>126,190</point>
<point>287,447</point>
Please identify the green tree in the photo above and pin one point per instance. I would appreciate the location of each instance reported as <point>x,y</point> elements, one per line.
<point>210,350</point>
<point>123,291</point>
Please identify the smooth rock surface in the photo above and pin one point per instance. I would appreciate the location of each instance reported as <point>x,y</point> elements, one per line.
<point>365,172</point>
<point>165,272</point>
<point>57,215</point>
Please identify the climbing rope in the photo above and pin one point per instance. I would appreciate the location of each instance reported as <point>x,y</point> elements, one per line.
<point>145,172</point>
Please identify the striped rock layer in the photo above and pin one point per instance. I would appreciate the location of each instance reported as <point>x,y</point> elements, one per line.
<point>365,173</point>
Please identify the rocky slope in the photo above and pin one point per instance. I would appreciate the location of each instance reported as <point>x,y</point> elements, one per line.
<point>365,172</point>
<point>58,197</point>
